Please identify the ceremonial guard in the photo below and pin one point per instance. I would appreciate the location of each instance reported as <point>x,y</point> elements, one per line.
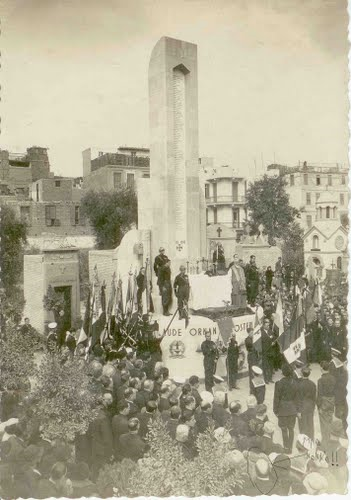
<point>252,280</point>
<point>307,391</point>
<point>52,340</point>
<point>164,282</point>
<point>269,340</point>
<point>232,362</point>
<point>209,350</point>
<point>258,385</point>
<point>160,259</point>
<point>238,283</point>
<point>182,291</point>
<point>285,406</point>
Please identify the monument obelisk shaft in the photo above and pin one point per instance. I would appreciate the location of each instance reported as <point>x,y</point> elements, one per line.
<point>176,214</point>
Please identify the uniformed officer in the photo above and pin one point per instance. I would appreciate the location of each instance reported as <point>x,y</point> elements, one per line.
<point>252,355</point>
<point>52,340</point>
<point>252,280</point>
<point>307,391</point>
<point>232,362</point>
<point>258,384</point>
<point>160,259</point>
<point>182,290</point>
<point>164,282</point>
<point>209,350</point>
<point>285,406</point>
<point>269,341</point>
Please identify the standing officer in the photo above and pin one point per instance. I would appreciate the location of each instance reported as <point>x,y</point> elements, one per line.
<point>285,406</point>
<point>52,340</point>
<point>160,259</point>
<point>307,401</point>
<point>252,280</point>
<point>252,355</point>
<point>269,341</point>
<point>164,282</point>
<point>182,290</point>
<point>232,362</point>
<point>209,350</point>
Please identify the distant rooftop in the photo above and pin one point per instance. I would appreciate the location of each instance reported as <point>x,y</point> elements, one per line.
<point>309,167</point>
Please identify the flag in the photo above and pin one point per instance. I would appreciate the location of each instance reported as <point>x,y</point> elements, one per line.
<point>257,338</point>
<point>317,294</point>
<point>129,296</point>
<point>99,318</point>
<point>225,326</point>
<point>85,329</point>
<point>278,315</point>
<point>119,312</point>
<point>292,341</point>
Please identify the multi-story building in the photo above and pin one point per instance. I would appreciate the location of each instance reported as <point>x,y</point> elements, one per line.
<point>110,171</point>
<point>225,196</point>
<point>306,183</point>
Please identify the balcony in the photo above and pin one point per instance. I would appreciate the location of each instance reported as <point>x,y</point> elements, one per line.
<point>225,200</point>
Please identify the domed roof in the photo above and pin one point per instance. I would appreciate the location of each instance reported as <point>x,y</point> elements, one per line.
<point>328,197</point>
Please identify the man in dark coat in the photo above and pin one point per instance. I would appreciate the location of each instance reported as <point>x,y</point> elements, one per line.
<point>146,417</point>
<point>238,427</point>
<point>160,260</point>
<point>307,401</point>
<point>209,350</point>
<point>131,444</point>
<point>101,441</point>
<point>252,355</point>
<point>269,278</point>
<point>252,280</point>
<point>119,425</point>
<point>269,340</point>
<point>339,338</point>
<point>326,401</point>
<point>164,282</point>
<point>232,362</point>
<point>204,417</point>
<point>285,406</point>
<point>182,290</point>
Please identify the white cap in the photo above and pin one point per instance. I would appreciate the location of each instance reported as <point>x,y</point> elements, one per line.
<point>206,396</point>
<point>179,380</point>
<point>218,379</point>
<point>257,370</point>
<point>52,325</point>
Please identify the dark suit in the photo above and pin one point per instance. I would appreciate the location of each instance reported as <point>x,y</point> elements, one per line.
<point>144,419</point>
<point>307,401</point>
<point>252,358</point>
<point>119,427</point>
<point>203,420</point>
<point>326,403</point>
<point>172,425</point>
<point>142,397</point>
<point>132,446</point>
<point>268,353</point>
<point>238,427</point>
<point>220,415</point>
<point>209,350</point>
<point>285,407</point>
<point>101,442</point>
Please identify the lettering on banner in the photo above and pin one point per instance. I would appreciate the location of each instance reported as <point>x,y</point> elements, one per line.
<point>179,332</point>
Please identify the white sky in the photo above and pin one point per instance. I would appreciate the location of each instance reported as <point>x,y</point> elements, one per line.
<point>272,77</point>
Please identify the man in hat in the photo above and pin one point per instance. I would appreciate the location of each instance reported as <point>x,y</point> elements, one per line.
<point>52,340</point>
<point>182,290</point>
<point>252,280</point>
<point>307,391</point>
<point>326,401</point>
<point>210,353</point>
<point>160,260</point>
<point>285,406</point>
<point>258,384</point>
<point>165,285</point>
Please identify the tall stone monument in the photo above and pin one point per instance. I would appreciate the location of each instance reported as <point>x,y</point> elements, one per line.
<point>171,202</point>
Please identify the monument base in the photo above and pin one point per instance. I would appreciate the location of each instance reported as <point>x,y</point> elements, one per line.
<point>181,345</point>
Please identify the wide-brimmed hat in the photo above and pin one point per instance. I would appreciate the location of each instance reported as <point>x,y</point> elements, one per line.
<point>52,325</point>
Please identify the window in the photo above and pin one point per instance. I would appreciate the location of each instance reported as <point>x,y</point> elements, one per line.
<point>292,180</point>
<point>37,191</point>
<point>320,212</point>
<point>334,212</point>
<point>215,215</point>
<point>327,212</point>
<point>318,180</point>
<point>236,221</point>
<point>207,190</point>
<point>317,196</point>
<point>330,181</point>
<point>315,242</point>
<point>206,216</point>
<point>50,215</point>
<point>25,214</point>
<point>117,179</point>
<point>339,263</point>
<point>57,184</point>
<point>130,180</point>
<point>342,199</point>
<point>309,221</point>
<point>343,179</point>
<point>76,215</point>
<point>308,198</point>
<point>305,179</point>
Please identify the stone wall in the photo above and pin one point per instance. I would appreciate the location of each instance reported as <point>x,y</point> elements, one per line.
<point>34,290</point>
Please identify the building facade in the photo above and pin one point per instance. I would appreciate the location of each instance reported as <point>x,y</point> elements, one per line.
<point>109,171</point>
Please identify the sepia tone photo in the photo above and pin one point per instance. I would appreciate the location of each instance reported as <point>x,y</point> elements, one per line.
<point>174,225</point>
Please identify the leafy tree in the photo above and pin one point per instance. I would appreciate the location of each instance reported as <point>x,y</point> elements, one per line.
<point>17,350</point>
<point>292,249</point>
<point>65,402</point>
<point>13,234</point>
<point>111,214</point>
<point>268,205</point>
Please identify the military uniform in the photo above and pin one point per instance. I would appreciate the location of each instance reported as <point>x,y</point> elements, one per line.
<point>182,291</point>
<point>268,353</point>
<point>232,363</point>
<point>285,407</point>
<point>209,350</point>
<point>252,358</point>
<point>252,282</point>
<point>160,260</point>
<point>164,282</point>
<point>307,401</point>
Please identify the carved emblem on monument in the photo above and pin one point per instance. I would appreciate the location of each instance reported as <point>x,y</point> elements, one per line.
<point>138,249</point>
<point>177,349</point>
<point>180,245</point>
